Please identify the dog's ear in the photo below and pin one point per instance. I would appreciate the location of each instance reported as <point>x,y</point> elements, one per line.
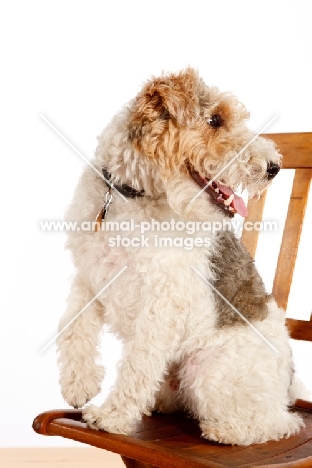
<point>168,97</point>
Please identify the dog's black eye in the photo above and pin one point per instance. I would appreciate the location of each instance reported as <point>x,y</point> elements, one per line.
<point>215,120</point>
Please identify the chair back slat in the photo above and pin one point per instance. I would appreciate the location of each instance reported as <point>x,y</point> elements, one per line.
<point>291,236</point>
<point>255,212</point>
<point>296,149</point>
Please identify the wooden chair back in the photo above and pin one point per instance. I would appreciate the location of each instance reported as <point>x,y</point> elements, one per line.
<point>296,149</point>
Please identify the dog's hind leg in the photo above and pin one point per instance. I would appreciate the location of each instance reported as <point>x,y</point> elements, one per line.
<point>239,390</point>
<point>79,333</point>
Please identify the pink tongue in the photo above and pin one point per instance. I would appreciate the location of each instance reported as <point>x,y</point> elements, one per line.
<point>239,206</point>
<point>238,203</point>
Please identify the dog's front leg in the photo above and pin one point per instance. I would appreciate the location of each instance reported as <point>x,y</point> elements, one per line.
<point>142,368</point>
<point>80,374</point>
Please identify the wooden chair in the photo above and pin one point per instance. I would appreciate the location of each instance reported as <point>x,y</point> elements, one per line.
<point>173,441</point>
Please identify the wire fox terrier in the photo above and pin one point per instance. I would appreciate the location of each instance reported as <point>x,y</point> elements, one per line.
<point>176,155</point>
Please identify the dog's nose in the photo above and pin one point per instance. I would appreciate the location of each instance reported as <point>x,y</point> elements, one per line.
<point>272,170</point>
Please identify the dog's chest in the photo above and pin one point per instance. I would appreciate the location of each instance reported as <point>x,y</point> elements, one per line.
<point>158,286</point>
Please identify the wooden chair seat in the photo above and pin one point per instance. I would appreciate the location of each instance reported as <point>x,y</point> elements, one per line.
<point>174,441</point>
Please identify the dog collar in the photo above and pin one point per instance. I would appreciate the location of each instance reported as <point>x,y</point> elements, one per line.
<point>123,189</point>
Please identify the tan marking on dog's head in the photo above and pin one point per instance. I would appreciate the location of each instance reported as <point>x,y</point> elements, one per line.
<point>173,97</point>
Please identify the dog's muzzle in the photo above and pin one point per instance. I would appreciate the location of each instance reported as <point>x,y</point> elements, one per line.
<point>272,170</point>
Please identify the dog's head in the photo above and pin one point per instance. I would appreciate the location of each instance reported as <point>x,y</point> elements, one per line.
<point>196,137</point>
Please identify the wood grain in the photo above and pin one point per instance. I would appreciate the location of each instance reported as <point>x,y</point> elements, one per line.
<point>296,148</point>
<point>174,441</point>
<point>291,236</point>
<point>300,329</point>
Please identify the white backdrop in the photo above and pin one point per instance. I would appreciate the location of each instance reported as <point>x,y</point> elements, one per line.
<point>77,62</point>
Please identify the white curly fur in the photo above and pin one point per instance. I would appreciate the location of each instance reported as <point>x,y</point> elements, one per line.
<point>231,380</point>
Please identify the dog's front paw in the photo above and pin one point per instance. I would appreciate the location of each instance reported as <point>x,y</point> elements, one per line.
<point>107,418</point>
<point>79,387</point>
